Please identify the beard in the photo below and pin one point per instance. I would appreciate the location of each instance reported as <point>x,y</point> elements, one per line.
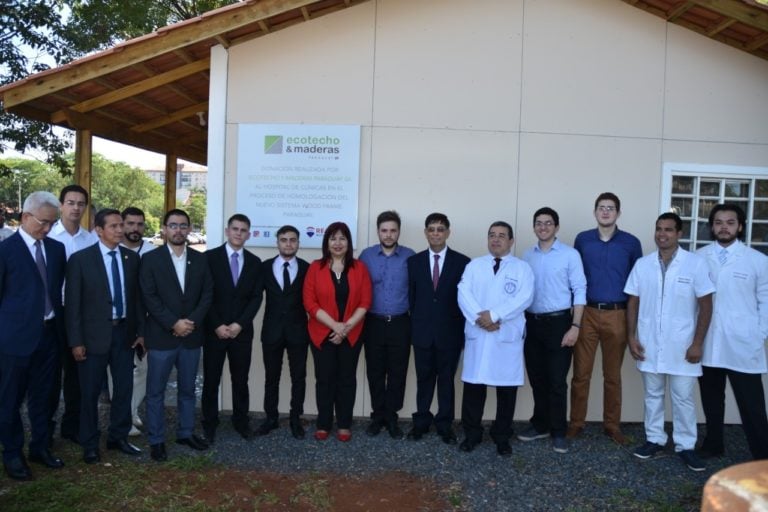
<point>134,236</point>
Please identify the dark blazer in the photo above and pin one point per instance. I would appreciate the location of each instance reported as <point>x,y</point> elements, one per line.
<point>22,290</point>
<point>435,315</point>
<point>89,300</point>
<point>234,303</point>
<point>165,303</point>
<point>284,313</point>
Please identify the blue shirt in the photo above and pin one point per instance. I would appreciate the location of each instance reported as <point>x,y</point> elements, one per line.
<point>389,276</point>
<point>560,281</point>
<point>607,264</point>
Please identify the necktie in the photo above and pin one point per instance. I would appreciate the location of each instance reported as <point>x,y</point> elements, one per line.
<point>497,262</point>
<point>117,300</point>
<point>723,256</point>
<point>286,276</point>
<point>40,262</point>
<point>435,272</point>
<point>234,267</point>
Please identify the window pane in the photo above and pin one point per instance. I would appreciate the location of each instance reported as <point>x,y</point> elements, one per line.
<point>683,207</point>
<point>699,246</point>
<point>760,232</point>
<point>709,188</point>
<point>705,206</point>
<point>761,188</point>
<point>762,248</point>
<point>761,210</point>
<point>684,185</point>
<point>687,229</point>
<point>684,245</point>
<point>736,189</point>
<point>702,231</point>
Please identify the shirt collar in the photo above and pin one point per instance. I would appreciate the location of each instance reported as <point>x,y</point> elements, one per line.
<point>106,250</point>
<point>173,254</point>
<point>27,237</point>
<point>231,251</point>
<point>441,253</point>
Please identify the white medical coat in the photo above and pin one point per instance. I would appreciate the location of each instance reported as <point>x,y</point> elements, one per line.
<point>495,358</point>
<point>666,321</point>
<point>736,336</point>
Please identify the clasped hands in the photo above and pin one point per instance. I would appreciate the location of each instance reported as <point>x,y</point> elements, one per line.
<point>183,327</point>
<point>340,331</point>
<point>228,332</point>
<point>484,321</point>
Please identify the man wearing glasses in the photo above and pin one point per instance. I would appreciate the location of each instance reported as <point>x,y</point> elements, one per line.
<point>608,255</point>
<point>177,288</point>
<point>67,230</point>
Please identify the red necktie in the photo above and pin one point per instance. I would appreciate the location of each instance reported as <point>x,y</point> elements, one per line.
<point>435,272</point>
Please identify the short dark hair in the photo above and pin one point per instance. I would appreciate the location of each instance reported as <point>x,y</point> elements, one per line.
<point>546,210</point>
<point>288,229</point>
<point>175,211</point>
<point>73,188</point>
<point>101,216</point>
<point>331,230</point>
<point>388,216</point>
<point>132,210</point>
<point>729,207</point>
<point>239,217</point>
<point>609,196</point>
<point>672,216</point>
<point>437,218</point>
<point>502,224</point>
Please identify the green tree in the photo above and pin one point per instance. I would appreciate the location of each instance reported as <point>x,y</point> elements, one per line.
<point>26,176</point>
<point>118,185</point>
<point>196,207</point>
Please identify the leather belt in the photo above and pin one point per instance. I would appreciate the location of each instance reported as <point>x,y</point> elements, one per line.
<point>386,318</point>
<point>607,305</point>
<point>552,314</point>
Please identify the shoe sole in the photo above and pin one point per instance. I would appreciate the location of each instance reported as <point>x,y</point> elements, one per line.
<point>527,439</point>
<point>560,450</point>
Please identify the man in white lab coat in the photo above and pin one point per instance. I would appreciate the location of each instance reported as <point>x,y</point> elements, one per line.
<point>668,313</point>
<point>735,344</point>
<point>494,292</point>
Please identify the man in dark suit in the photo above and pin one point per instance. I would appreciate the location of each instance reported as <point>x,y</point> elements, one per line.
<point>104,325</point>
<point>32,270</point>
<point>437,327</point>
<point>237,284</point>
<point>284,330</point>
<point>177,289</point>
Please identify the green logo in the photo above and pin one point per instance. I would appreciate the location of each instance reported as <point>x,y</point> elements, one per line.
<point>273,144</point>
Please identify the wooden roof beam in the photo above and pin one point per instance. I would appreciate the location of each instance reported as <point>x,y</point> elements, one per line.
<point>305,13</point>
<point>171,118</point>
<point>719,27</point>
<point>135,89</point>
<point>679,10</point>
<point>162,41</point>
<point>263,26</point>
<point>756,43</point>
<point>737,10</point>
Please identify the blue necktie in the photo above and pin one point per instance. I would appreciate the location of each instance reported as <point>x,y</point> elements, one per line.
<point>117,300</point>
<point>40,262</point>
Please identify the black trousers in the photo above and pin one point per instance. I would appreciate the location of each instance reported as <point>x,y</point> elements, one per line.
<point>750,399</point>
<point>547,364</point>
<point>387,350</point>
<point>272,354</point>
<point>472,405</point>
<point>239,355</point>
<point>91,372</point>
<point>66,380</point>
<point>336,382</point>
<point>435,367</point>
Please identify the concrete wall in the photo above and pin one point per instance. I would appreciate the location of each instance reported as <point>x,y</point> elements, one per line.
<point>488,110</point>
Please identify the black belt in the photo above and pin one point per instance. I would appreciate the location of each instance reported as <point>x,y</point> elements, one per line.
<point>607,305</point>
<point>553,314</point>
<point>117,321</point>
<point>387,318</point>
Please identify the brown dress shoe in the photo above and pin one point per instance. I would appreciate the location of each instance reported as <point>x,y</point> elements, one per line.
<point>574,432</point>
<point>617,436</point>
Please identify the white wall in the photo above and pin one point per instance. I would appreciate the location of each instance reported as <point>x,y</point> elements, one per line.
<point>490,109</point>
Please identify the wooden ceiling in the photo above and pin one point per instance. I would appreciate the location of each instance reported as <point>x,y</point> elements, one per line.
<point>151,92</point>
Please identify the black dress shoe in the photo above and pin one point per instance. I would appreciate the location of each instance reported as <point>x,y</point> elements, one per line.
<point>504,449</point>
<point>395,432</point>
<point>46,458</point>
<point>91,455</point>
<point>245,431</point>
<point>17,469</point>
<point>157,452</point>
<point>373,428</point>
<point>194,442</point>
<point>297,430</point>
<point>124,446</point>
<point>415,434</point>
<point>210,435</point>
<point>468,445</point>
<point>266,427</point>
<point>448,436</point>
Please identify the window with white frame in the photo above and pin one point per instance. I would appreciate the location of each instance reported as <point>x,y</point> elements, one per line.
<point>692,190</point>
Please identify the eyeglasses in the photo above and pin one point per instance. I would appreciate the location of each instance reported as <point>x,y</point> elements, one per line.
<point>498,236</point>
<point>543,223</point>
<point>437,229</point>
<point>173,226</point>
<point>43,223</point>
<point>79,204</point>
<point>604,208</point>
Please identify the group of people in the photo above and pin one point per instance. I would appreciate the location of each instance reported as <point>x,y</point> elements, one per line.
<point>74,304</point>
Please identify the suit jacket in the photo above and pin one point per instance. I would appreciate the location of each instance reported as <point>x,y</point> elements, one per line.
<point>320,293</point>
<point>435,315</point>
<point>89,300</point>
<point>234,303</point>
<point>22,304</point>
<point>166,303</point>
<point>284,313</point>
